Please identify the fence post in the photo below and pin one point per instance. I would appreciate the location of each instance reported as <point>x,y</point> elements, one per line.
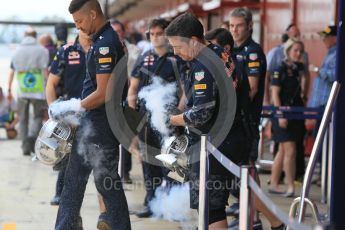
<point>244,198</point>
<point>313,157</point>
<point>121,163</point>
<point>203,192</point>
<point>324,167</point>
<point>330,160</point>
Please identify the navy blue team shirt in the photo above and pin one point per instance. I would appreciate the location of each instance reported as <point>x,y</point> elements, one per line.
<point>69,64</point>
<point>147,64</point>
<point>202,101</point>
<point>250,60</point>
<point>101,58</point>
<point>288,77</point>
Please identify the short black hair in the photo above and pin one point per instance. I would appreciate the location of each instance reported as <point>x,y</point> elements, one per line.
<point>290,25</point>
<point>243,12</point>
<point>284,37</point>
<point>185,26</point>
<point>117,22</point>
<point>161,22</point>
<point>223,37</point>
<point>76,5</point>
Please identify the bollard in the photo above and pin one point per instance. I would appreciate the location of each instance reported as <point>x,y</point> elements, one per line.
<point>121,163</point>
<point>203,192</point>
<point>244,198</point>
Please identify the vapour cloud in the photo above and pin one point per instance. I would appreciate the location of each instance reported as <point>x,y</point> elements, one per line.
<point>158,96</point>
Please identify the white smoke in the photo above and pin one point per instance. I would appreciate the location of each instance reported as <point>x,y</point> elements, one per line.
<point>67,111</point>
<point>158,96</point>
<point>92,153</point>
<point>172,204</point>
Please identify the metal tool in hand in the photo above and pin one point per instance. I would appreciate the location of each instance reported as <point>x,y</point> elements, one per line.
<point>175,157</point>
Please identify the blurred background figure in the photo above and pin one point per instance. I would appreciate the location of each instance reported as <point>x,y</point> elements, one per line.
<point>221,37</point>
<point>8,115</point>
<point>61,32</point>
<point>30,64</point>
<point>47,42</point>
<point>286,91</point>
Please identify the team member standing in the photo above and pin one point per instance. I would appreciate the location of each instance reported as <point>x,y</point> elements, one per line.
<point>185,34</point>
<point>98,147</point>
<point>250,62</point>
<point>158,62</point>
<point>286,91</point>
<point>67,69</point>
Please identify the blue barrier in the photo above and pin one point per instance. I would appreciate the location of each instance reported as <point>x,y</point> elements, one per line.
<point>292,112</point>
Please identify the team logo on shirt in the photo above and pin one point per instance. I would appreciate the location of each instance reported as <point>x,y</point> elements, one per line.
<point>253,56</point>
<point>74,62</point>
<point>103,50</point>
<point>276,75</point>
<point>73,55</point>
<point>200,86</point>
<point>104,60</point>
<point>148,60</point>
<point>199,75</point>
<point>253,64</point>
<point>239,57</point>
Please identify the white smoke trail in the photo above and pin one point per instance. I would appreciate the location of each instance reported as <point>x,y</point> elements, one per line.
<point>158,97</point>
<point>172,204</point>
<point>92,153</point>
<point>67,111</point>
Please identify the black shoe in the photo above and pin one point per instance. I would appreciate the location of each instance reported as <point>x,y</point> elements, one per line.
<point>281,227</point>
<point>79,225</point>
<point>26,153</point>
<point>145,213</point>
<point>127,179</point>
<point>103,223</point>
<point>257,225</point>
<point>235,225</point>
<point>55,200</point>
<point>233,210</point>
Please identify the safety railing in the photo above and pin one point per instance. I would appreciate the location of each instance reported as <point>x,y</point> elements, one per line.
<point>288,112</point>
<point>316,150</point>
<point>248,183</point>
<point>301,113</point>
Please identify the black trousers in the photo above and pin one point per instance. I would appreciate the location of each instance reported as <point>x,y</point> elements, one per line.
<point>94,149</point>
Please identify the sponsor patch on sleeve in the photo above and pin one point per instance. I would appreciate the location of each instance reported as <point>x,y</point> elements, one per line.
<point>200,86</point>
<point>253,64</point>
<point>104,60</point>
<point>199,75</point>
<point>103,50</point>
<point>253,56</point>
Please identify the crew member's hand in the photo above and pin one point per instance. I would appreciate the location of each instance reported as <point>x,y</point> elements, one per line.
<point>8,126</point>
<point>283,123</point>
<point>134,149</point>
<point>9,96</point>
<point>59,110</point>
<point>310,123</point>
